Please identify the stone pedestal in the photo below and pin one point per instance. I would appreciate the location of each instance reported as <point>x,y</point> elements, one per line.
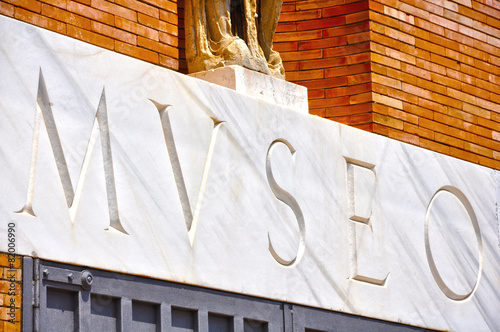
<point>258,85</point>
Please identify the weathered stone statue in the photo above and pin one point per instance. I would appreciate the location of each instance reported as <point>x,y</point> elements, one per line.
<point>232,32</point>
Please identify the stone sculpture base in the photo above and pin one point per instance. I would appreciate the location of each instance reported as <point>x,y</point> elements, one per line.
<point>258,85</point>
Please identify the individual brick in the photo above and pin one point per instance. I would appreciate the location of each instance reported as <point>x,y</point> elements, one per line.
<point>360,98</point>
<point>31,5</point>
<point>117,34</point>
<point>136,28</point>
<point>168,62</point>
<point>421,112</point>
<point>169,40</point>
<point>359,78</point>
<point>387,61</point>
<point>314,4</point>
<point>417,12</point>
<point>91,37</point>
<point>136,52</point>
<point>291,66</point>
<point>403,116</point>
<point>419,131</point>
<point>300,16</point>
<point>347,70</point>
<point>326,102</point>
<point>387,121</point>
<point>399,14</point>
<point>486,142</point>
<point>477,149</point>
<point>139,7</point>
<point>315,94</point>
<point>84,2</point>
<point>6,261</point>
<point>453,112</point>
<point>432,105</point>
<point>322,43</point>
<point>346,50</point>
<point>286,27</point>
<point>432,125</point>
<point>434,146</point>
<point>169,28</point>
<point>10,327</point>
<point>6,9</point>
<point>348,90</point>
<point>4,315</point>
<point>389,101</point>
<point>8,273</point>
<point>357,17</point>
<point>489,162</point>
<point>345,9</point>
<point>149,21</point>
<point>358,119</point>
<point>305,75</point>
<point>169,16</point>
<point>335,110</point>
<point>57,3</point>
<point>430,47</point>
<point>404,137</point>
<point>318,112</point>
<point>114,9</point>
<point>448,140</point>
<point>304,55</point>
<point>299,36</point>
<point>285,46</point>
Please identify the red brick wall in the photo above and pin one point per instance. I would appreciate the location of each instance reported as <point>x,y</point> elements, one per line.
<point>325,46</point>
<point>146,30</point>
<point>10,292</point>
<point>436,75</point>
<point>422,72</point>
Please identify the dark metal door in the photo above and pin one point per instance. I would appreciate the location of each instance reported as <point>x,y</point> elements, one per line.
<point>64,298</point>
<point>78,299</point>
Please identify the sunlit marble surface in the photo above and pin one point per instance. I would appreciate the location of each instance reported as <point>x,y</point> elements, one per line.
<point>366,225</point>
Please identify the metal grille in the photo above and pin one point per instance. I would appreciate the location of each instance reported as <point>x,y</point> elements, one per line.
<point>72,298</point>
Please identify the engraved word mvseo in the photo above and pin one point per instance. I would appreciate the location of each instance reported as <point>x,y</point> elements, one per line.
<point>361,183</point>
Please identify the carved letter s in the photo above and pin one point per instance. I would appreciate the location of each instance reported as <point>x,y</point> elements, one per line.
<point>289,200</point>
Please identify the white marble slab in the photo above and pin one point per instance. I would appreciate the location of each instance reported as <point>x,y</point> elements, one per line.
<point>366,225</point>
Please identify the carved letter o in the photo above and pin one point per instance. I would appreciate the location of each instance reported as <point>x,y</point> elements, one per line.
<point>432,265</point>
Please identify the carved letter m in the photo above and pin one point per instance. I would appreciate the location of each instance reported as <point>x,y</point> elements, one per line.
<point>100,127</point>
